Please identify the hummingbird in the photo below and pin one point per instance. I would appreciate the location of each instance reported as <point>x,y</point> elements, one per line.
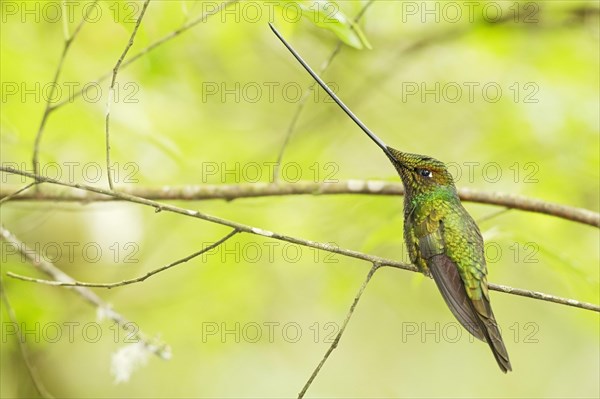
<point>442,238</point>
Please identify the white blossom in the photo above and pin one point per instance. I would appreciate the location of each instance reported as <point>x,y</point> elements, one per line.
<point>127,359</point>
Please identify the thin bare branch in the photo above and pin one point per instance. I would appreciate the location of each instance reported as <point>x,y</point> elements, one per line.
<point>336,341</point>
<point>111,90</point>
<point>49,108</point>
<point>521,202</point>
<point>124,282</point>
<point>545,297</point>
<point>202,18</point>
<point>88,295</point>
<point>65,21</point>
<point>17,192</point>
<point>35,378</point>
<point>294,240</point>
<point>251,190</point>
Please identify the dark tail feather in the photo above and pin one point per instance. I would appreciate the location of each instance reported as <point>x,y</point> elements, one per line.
<point>482,326</point>
<point>494,339</point>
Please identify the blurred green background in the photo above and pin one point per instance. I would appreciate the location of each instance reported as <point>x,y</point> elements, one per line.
<point>541,132</point>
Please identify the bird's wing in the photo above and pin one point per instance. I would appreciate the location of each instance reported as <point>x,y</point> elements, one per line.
<point>463,256</point>
<point>465,249</point>
<point>448,241</point>
<point>432,249</point>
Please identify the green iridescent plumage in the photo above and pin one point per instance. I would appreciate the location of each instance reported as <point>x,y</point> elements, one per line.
<point>444,242</point>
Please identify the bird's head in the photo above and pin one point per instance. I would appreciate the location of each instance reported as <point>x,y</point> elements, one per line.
<point>420,173</point>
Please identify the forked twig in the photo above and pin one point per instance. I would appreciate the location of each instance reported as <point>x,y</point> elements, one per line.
<point>124,282</point>
<point>164,39</point>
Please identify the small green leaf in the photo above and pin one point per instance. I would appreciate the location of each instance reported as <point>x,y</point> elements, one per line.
<point>328,15</point>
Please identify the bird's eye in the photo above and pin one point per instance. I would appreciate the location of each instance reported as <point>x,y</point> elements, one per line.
<point>424,172</point>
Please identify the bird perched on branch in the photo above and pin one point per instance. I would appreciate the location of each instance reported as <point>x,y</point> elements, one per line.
<point>443,240</point>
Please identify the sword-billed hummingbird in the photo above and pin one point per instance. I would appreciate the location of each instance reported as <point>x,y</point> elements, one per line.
<point>442,238</point>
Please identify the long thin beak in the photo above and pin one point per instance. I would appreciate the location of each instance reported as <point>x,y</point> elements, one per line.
<point>335,98</point>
